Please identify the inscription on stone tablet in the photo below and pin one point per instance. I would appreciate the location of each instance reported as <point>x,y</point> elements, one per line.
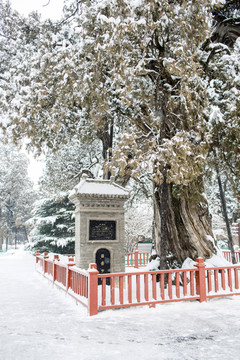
<point>102,230</point>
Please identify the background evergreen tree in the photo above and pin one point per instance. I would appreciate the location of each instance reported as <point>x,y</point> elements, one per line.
<point>16,194</point>
<point>222,69</point>
<point>53,226</point>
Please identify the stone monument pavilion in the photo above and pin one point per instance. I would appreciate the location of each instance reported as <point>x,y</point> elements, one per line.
<point>99,224</point>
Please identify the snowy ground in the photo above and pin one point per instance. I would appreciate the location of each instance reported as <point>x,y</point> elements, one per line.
<point>38,321</point>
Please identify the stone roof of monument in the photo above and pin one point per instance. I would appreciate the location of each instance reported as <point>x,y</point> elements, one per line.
<point>88,187</point>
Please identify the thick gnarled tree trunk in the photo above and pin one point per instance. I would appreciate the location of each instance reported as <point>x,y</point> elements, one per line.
<point>188,231</point>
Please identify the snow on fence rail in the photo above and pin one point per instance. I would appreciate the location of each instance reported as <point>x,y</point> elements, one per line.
<point>108,291</point>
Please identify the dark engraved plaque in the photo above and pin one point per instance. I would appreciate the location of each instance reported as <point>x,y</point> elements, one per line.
<point>102,230</point>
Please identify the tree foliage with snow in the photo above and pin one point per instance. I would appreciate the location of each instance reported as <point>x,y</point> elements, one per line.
<point>222,70</point>
<point>18,41</point>
<point>64,167</point>
<point>55,97</point>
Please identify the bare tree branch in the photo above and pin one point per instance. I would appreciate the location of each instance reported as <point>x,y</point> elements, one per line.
<point>47,3</point>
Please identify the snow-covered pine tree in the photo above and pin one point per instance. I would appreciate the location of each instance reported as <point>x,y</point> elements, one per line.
<point>52,226</point>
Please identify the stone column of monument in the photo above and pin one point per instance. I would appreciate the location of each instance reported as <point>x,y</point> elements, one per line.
<point>99,224</point>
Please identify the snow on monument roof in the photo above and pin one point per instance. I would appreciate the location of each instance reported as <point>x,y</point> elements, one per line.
<point>92,187</point>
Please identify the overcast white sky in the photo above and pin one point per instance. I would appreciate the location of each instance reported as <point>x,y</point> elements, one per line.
<point>53,10</point>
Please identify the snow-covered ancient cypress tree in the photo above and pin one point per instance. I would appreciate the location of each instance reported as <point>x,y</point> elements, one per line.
<point>157,51</point>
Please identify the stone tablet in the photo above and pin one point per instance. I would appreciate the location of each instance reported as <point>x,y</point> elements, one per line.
<point>102,230</point>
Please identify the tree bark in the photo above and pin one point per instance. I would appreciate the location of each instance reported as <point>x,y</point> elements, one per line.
<point>163,221</point>
<point>25,232</point>
<point>187,231</point>
<point>105,134</point>
<point>225,215</point>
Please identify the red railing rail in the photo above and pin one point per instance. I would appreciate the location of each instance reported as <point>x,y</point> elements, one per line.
<point>228,257</point>
<point>141,287</point>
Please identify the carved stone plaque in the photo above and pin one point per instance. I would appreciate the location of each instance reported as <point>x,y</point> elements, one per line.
<point>102,230</point>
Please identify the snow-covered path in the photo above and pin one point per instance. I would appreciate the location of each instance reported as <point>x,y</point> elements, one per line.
<point>40,322</point>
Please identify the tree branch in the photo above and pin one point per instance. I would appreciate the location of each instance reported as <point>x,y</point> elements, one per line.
<point>47,3</point>
<point>71,15</point>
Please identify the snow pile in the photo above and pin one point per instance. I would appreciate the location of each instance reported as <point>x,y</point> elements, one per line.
<point>153,265</point>
<point>217,260</point>
<point>188,263</point>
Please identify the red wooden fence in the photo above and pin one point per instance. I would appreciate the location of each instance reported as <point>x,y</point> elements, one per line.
<point>65,275</point>
<point>137,259</point>
<point>228,257</point>
<point>222,281</point>
<point>142,287</point>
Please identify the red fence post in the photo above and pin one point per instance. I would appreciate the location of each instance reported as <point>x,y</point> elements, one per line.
<point>56,258</point>
<point>136,253</point>
<point>200,280</point>
<point>239,233</point>
<point>37,254</point>
<point>45,256</point>
<point>93,289</point>
<point>68,277</point>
